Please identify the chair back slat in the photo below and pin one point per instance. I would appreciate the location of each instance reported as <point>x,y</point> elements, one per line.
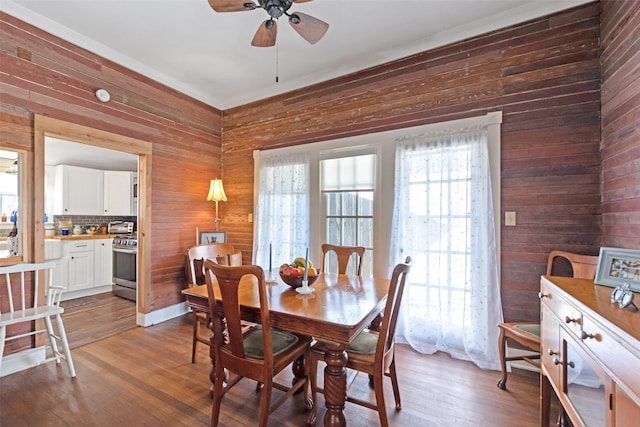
<point>344,254</point>
<point>392,307</point>
<point>17,293</point>
<point>231,280</point>
<point>222,253</point>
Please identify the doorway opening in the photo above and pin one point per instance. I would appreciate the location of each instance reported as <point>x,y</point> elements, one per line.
<point>45,127</point>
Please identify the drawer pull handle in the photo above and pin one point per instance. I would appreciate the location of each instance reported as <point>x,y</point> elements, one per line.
<point>557,361</point>
<point>541,295</point>
<point>568,319</point>
<point>585,335</point>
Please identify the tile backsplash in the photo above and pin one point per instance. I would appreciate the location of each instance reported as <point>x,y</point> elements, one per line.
<point>83,220</point>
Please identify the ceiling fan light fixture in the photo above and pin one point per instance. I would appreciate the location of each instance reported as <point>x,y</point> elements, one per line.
<point>294,18</point>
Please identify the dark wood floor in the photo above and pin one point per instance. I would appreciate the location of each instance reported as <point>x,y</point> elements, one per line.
<point>144,377</point>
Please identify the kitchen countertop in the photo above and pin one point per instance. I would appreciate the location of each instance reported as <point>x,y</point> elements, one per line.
<point>82,236</point>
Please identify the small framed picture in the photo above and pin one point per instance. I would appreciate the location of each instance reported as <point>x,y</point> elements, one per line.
<point>617,267</point>
<point>213,237</point>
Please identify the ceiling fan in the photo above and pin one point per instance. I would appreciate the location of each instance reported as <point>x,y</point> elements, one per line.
<point>310,28</point>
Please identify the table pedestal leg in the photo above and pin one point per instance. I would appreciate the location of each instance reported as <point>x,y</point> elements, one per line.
<point>335,384</point>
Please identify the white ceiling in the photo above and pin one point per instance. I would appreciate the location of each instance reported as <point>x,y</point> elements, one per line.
<point>61,152</point>
<point>207,55</point>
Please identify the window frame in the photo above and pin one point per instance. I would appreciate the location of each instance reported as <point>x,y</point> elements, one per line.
<point>383,145</point>
<point>25,214</point>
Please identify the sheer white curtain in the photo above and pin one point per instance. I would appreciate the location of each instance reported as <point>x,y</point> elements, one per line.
<point>282,208</point>
<point>443,219</point>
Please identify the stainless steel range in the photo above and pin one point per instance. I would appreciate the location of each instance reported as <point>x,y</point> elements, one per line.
<point>125,265</point>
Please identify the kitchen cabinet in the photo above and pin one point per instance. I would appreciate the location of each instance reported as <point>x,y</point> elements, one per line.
<point>85,191</point>
<point>590,354</point>
<point>103,262</point>
<point>79,191</point>
<point>61,273</point>
<point>118,188</point>
<point>81,265</point>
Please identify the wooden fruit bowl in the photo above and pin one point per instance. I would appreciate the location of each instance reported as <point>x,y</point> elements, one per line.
<point>296,281</point>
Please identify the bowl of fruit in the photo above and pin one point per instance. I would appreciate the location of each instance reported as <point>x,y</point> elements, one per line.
<point>292,274</point>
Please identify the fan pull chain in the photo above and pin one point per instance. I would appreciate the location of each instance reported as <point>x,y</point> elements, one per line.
<point>277,58</point>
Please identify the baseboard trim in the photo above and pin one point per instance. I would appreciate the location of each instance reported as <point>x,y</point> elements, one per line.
<point>159,316</point>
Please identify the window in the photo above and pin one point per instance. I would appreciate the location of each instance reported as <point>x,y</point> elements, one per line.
<point>282,208</point>
<point>11,167</point>
<point>347,185</point>
<point>445,192</point>
<point>443,219</point>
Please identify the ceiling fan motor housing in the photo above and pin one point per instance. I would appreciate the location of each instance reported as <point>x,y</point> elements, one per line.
<point>276,8</point>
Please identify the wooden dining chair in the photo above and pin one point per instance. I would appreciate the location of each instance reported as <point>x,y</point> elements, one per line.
<point>222,253</point>
<point>344,254</point>
<point>259,354</point>
<point>372,352</point>
<point>527,334</point>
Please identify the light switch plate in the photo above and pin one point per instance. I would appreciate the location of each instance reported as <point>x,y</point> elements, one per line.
<point>510,219</point>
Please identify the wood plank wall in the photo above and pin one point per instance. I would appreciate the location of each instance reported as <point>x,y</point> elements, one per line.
<point>621,124</point>
<point>545,77</point>
<point>42,74</point>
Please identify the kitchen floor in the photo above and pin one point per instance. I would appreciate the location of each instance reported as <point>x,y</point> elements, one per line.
<point>92,318</point>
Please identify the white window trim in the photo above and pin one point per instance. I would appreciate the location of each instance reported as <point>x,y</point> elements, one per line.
<point>382,144</point>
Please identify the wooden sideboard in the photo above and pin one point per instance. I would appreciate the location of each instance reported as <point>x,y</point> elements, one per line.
<point>590,354</point>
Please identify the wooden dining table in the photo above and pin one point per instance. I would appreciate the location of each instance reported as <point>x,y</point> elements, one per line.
<point>335,313</point>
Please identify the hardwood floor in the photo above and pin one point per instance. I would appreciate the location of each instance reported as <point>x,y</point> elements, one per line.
<point>144,377</point>
<point>93,318</point>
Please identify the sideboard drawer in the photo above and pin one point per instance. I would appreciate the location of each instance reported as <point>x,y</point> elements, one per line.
<point>565,312</point>
<point>618,360</point>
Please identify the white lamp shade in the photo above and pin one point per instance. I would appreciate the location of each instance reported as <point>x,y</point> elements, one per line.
<point>216,191</point>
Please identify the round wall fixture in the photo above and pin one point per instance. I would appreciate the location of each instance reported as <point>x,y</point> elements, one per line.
<point>103,95</point>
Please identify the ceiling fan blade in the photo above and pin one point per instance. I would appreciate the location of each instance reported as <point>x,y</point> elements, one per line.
<point>228,5</point>
<point>266,34</point>
<point>300,1</point>
<point>310,28</point>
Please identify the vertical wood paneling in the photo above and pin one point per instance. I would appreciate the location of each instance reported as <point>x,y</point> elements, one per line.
<point>621,124</point>
<point>544,75</point>
<point>42,74</point>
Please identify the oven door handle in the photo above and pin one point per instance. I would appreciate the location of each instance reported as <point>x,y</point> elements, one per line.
<point>125,251</point>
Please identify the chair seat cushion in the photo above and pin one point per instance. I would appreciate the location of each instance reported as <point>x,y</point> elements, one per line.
<point>533,329</point>
<point>280,341</point>
<point>365,343</point>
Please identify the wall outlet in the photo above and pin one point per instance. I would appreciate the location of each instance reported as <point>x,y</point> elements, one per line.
<point>510,219</point>
<point>250,217</point>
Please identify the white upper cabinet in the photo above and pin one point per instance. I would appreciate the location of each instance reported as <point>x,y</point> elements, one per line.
<point>117,193</point>
<point>84,191</point>
<point>79,191</point>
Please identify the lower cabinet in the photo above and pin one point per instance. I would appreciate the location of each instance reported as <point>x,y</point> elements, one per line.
<point>590,354</point>
<point>81,265</point>
<point>103,271</point>
<point>85,264</point>
<point>61,273</point>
